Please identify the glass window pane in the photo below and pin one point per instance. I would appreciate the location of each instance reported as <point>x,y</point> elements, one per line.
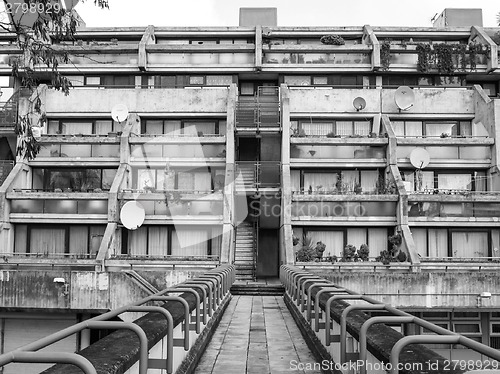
<point>154,127</point>
<point>438,243</point>
<point>53,128</point>
<point>103,127</point>
<point>469,244</point>
<point>197,80</point>
<point>320,80</point>
<point>455,182</point>
<point>298,80</point>
<point>219,80</point>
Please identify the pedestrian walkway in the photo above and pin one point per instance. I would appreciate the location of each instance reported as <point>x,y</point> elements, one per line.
<point>257,335</point>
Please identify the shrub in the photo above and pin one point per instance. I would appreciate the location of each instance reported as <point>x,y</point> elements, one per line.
<point>349,253</point>
<point>364,252</point>
<point>332,40</point>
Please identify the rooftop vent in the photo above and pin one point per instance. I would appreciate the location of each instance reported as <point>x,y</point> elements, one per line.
<point>251,17</point>
<point>459,17</point>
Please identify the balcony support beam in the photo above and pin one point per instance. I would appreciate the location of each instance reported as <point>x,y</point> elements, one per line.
<point>286,232</point>
<point>478,33</point>
<point>229,213</point>
<point>147,38</point>
<point>370,38</point>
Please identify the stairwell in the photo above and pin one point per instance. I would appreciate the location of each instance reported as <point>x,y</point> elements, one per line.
<point>245,177</point>
<point>244,259</point>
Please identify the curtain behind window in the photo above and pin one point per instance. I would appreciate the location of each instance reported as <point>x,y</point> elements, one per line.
<point>334,241</point>
<point>137,241</point>
<point>438,243</point>
<point>48,241</point>
<point>189,243</point>
<point>158,241</point>
<point>469,244</point>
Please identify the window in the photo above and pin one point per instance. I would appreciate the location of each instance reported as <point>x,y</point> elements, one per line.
<point>336,238</point>
<point>198,127</point>
<point>201,180</point>
<point>433,129</point>
<point>339,181</point>
<point>445,181</point>
<point>182,81</point>
<point>50,179</point>
<point>60,240</point>
<point>163,241</point>
<point>438,243</point>
<point>334,127</point>
<point>82,126</point>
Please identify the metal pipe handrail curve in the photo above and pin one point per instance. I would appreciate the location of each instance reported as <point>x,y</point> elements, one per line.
<point>49,358</point>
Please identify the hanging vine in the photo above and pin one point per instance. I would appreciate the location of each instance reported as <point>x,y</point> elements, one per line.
<point>424,52</point>
<point>448,58</point>
<point>385,55</point>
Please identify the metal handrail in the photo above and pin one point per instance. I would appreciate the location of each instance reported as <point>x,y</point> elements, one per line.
<point>295,281</point>
<point>217,283</point>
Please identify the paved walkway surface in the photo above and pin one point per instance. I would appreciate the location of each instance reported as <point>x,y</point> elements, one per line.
<point>257,335</point>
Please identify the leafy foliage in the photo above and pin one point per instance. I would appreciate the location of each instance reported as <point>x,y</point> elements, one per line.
<point>332,40</point>
<point>385,55</point>
<point>38,57</point>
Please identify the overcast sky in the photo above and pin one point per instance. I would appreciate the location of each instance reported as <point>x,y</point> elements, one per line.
<point>290,12</point>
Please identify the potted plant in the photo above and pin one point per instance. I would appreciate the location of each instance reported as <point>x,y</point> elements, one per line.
<point>320,249</point>
<point>364,252</point>
<point>307,252</point>
<point>349,253</point>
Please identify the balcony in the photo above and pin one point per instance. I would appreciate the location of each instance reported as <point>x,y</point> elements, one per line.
<point>319,101</point>
<point>5,169</point>
<point>61,148</point>
<point>176,206</point>
<point>336,153</point>
<point>154,102</point>
<point>318,56</point>
<point>460,207</point>
<point>451,156</point>
<point>63,207</point>
<point>257,176</point>
<point>8,115</point>
<point>343,209</point>
<point>193,152</point>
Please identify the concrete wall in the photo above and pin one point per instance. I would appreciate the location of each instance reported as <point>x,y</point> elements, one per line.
<point>427,101</point>
<point>137,100</point>
<point>86,290</point>
<point>438,289</point>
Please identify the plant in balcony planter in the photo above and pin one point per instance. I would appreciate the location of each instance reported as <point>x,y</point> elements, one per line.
<point>445,135</point>
<point>357,188</point>
<point>332,40</point>
<point>349,253</point>
<point>320,249</point>
<point>331,134</point>
<point>307,252</point>
<point>385,55</point>
<point>364,252</point>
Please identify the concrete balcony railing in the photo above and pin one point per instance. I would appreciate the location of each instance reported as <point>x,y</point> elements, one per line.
<point>154,102</point>
<point>344,208</point>
<point>54,148</point>
<point>177,206</point>
<point>433,101</point>
<point>50,207</point>
<point>455,206</point>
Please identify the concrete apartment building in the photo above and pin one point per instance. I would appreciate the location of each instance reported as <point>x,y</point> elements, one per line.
<point>241,143</point>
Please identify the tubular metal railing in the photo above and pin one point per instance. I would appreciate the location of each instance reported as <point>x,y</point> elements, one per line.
<point>214,286</point>
<point>299,286</point>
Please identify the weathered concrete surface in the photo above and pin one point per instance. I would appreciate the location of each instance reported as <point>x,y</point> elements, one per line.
<point>256,335</point>
<point>427,101</point>
<point>436,289</point>
<point>83,290</point>
<point>137,101</point>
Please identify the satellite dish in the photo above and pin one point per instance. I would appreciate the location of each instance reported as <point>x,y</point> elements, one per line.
<point>404,97</point>
<point>132,215</point>
<point>359,103</point>
<point>119,113</point>
<point>420,158</point>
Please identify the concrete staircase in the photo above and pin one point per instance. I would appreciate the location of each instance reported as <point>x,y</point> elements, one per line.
<point>245,178</point>
<point>244,252</point>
